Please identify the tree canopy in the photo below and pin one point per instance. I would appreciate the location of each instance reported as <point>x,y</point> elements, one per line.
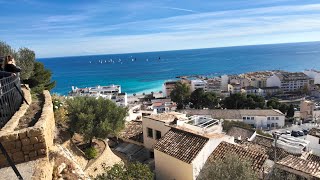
<point>180,94</point>
<point>32,72</point>
<point>95,118</point>
<point>201,99</point>
<point>132,171</point>
<point>40,79</point>
<point>228,168</point>
<point>242,101</point>
<point>290,112</point>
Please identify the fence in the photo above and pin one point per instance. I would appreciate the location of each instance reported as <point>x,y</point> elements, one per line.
<point>10,96</point>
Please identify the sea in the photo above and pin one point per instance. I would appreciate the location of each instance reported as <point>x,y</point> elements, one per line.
<point>147,71</point>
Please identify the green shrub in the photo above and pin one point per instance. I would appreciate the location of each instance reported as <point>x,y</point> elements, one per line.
<point>91,153</point>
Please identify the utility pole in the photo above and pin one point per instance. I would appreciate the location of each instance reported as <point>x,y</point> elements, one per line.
<point>275,136</point>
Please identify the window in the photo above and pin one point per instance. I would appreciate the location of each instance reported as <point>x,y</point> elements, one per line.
<point>277,118</point>
<point>158,134</point>
<point>319,141</point>
<point>252,118</point>
<point>248,118</point>
<point>151,154</point>
<point>244,118</point>
<point>150,133</point>
<point>272,118</point>
<point>268,118</point>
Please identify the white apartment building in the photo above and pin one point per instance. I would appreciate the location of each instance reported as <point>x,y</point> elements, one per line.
<point>198,84</point>
<point>112,92</point>
<point>254,90</point>
<point>214,85</point>
<point>288,81</point>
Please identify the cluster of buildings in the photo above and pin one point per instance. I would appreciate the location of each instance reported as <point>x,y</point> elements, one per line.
<point>112,92</point>
<point>266,83</point>
<point>182,144</point>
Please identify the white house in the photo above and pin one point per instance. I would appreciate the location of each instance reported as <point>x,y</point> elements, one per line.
<point>198,84</point>
<point>181,154</point>
<point>262,118</point>
<point>314,138</point>
<point>155,126</point>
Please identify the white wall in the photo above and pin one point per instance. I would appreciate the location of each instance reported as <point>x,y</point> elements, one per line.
<point>133,116</point>
<point>314,144</point>
<point>262,121</point>
<point>154,125</point>
<point>273,81</point>
<point>224,82</point>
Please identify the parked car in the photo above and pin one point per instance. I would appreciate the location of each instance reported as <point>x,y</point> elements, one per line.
<point>305,131</point>
<point>288,132</point>
<point>301,133</point>
<point>294,133</point>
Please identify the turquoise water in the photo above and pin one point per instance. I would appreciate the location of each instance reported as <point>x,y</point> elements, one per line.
<point>146,72</point>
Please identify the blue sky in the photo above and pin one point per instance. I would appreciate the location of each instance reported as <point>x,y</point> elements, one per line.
<point>78,27</point>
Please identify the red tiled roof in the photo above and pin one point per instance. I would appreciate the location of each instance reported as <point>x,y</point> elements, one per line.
<point>263,140</point>
<point>256,158</point>
<point>237,132</point>
<point>312,157</point>
<point>314,132</point>
<point>182,145</point>
<point>307,167</point>
<point>133,131</point>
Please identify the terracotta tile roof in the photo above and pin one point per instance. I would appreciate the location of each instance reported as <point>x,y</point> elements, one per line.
<point>182,145</point>
<point>238,132</point>
<point>308,167</point>
<point>263,140</point>
<point>224,148</point>
<point>133,131</point>
<point>281,153</point>
<point>314,132</point>
<point>312,157</point>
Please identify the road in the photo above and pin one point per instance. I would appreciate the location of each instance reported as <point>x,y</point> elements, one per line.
<point>307,126</point>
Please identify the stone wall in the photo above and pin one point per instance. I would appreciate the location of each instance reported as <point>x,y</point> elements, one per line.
<point>33,142</point>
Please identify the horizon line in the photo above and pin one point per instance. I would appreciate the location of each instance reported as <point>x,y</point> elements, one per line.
<point>215,47</point>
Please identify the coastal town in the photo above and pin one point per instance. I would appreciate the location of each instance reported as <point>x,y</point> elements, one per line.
<point>160,90</point>
<point>177,143</point>
<point>184,142</point>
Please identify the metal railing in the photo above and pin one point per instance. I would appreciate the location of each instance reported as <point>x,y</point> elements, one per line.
<point>10,96</point>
